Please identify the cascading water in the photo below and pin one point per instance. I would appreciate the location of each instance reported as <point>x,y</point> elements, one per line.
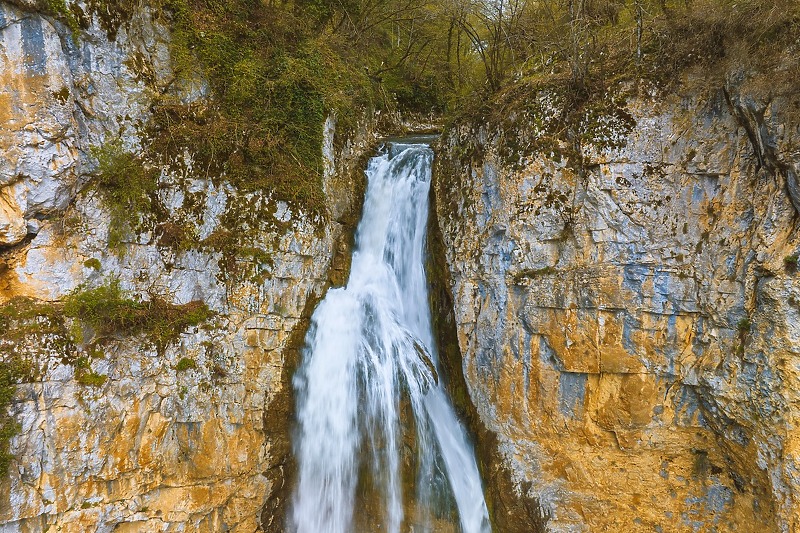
<point>368,384</point>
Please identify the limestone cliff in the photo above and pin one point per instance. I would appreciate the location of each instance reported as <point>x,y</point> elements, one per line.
<point>627,302</point>
<point>122,434</point>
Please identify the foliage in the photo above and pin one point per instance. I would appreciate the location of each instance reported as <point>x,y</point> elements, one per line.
<point>185,364</point>
<point>743,325</point>
<point>93,263</point>
<point>275,78</point>
<point>85,375</point>
<point>276,70</point>
<point>60,9</point>
<point>791,261</point>
<point>127,187</point>
<point>107,310</point>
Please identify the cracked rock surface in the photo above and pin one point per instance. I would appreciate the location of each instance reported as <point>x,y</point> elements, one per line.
<point>629,324</point>
<point>153,446</point>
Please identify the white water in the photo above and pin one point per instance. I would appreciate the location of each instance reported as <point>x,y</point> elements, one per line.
<point>370,346</point>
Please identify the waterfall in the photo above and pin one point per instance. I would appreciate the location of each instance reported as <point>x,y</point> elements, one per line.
<point>370,404</point>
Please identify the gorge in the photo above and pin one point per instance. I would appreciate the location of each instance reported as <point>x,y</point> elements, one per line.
<point>577,310</point>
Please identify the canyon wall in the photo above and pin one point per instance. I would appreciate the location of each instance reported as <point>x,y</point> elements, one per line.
<point>627,301</point>
<point>123,434</point>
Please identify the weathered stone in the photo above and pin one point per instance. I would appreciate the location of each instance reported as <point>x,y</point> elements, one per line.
<point>152,448</point>
<point>601,316</point>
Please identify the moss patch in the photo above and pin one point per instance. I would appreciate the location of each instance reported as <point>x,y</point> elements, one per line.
<point>127,187</point>
<point>92,263</point>
<point>185,364</point>
<point>106,310</point>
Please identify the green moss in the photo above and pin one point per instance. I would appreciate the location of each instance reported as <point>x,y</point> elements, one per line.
<point>90,378</point>
<point>107,310</point>
<point>743,326</point>
<point>92,263</point>
<point>127,187</point>
<point>185,364</point>
<point>790,261</point>
<point>60,9</point>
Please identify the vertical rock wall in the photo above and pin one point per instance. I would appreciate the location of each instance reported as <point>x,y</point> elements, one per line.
<point>628,311</point>
<point>157,446</point>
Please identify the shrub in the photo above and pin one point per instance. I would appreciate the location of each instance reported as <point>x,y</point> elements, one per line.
<point>127,187</point>
<point>743,325</point>
<point>185,364</point>
<point>108,310</point>
<point>92,263</point>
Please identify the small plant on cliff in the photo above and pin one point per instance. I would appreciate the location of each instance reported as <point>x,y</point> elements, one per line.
<point>185,364</point>
<point>127,187</point>
<point>790,261</point>
<point>107,310</point>
<point>85,375</point>
<point>92,263</point>
<point>743,326</point>
<point>60,9</point>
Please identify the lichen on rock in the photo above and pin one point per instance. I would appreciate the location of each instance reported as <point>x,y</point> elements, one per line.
<point>598,302</point>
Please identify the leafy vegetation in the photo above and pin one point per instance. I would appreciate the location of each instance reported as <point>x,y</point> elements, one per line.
<point>743,325</point>
<point>92,263</point>
<point>276,74</point>
<point>85,375</point>
<point>33,330</point>
<point>107,310</point>
<point>276,71</point>
<point>185,364</point>
<point>127,187</point>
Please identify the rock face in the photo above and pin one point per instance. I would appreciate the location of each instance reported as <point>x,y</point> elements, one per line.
<point>629,315</point>
<point>158,445</point>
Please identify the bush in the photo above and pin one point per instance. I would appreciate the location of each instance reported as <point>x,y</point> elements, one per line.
<point>185,364</point>
<point>744,325</point>
<point>108,310</point>
<point>127,187</point>
<point>92,263</point>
